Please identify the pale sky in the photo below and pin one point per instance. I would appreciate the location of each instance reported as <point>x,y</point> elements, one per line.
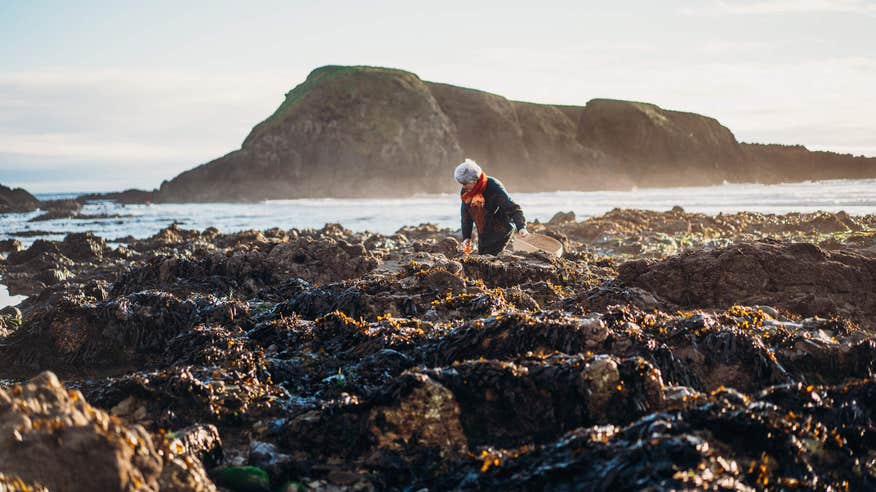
<point>101,96</point>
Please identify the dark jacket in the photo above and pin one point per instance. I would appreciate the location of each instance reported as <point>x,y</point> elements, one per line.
<point>500,212</point>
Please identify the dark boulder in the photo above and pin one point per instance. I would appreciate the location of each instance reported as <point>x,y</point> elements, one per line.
<point>799,277</point>
<point>17,200</point>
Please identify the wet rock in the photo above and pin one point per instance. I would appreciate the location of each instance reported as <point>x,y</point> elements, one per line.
<point>799,277</point>
<point>380,362</point>
<point>424,232</point>
<point>184,474</point>
<point>508,404</point>
<point>62,205</point>
<point>38,251</point>
<point>448,246</point>
<point>325,260</point>
<point>10,320</point>
<point>84,246</point>
<point>171,235</point>
<point>268,457</point>
<point>41,265</point>
<point>16,201</point>
<point>612,293</point>
<point>54,214</point>
<point>517,335</point>
<point>562,218</point>
<point>408,424</point>
<point>52,435</point>
<point>511,270</point>
<point>10,246</point>
<point>658,234</point>
<point>199,441</point>
<point>441,279</point>
<point>421,413</point>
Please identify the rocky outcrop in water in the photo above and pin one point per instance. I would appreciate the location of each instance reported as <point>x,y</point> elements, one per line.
<point>773,163</point>
<point>17,200</point>
<point>666,350</point>
<point>366,131</point>
<point>345,131</point>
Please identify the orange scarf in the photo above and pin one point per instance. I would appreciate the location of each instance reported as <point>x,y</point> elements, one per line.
<point>475,200</point>
<point>475,197</point>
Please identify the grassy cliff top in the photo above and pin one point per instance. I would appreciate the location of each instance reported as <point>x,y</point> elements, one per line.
<point>319,77</point>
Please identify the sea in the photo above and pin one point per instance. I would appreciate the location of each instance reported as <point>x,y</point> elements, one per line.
<point>387,215</point>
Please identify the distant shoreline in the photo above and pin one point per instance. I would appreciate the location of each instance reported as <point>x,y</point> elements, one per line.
<point>63,195</point>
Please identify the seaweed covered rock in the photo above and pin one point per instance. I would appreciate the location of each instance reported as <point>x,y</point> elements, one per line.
<point>51,435</point>
<point>408,430</point>
<point>722,441</point>
<point>338,359</point>
<point>10,320</point>
<point>646,233</point>
<point>49,264</point>
<point>516,335</point>
<point>10,246</point>
<point>250,268</point>
<point>77,335</point>
<point>799,277</point>
<point>511,270</point>
<point>41,265</point>
<point>16,200</point>
<point>322,260</point>
<point>83,247</point>
<point>212,375</point>
<point>506,404</point>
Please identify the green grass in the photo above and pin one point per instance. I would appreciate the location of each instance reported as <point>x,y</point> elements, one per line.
<point>320,76</point>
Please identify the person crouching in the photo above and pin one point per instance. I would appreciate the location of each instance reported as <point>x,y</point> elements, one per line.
<point>485,203</point>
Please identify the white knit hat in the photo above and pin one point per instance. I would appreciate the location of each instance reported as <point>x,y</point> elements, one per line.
<point>467,172</point>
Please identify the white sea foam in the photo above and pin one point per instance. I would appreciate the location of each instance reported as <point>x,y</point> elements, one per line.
<point>8,300</point>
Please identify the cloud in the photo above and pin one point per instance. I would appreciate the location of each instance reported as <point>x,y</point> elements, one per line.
<point>78,147</point>
<point>132,117</point>
<point>767,7</point>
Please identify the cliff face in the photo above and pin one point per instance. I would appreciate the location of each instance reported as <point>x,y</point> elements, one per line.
<point>365,131</point>
<point>345,131</point>
<point>660,147</point>
<point>772,163</point>
<point>531,147</point>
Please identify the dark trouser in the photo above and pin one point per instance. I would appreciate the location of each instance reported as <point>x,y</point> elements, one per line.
<point>493,247</point>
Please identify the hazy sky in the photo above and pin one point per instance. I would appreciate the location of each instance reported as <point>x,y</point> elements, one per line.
<point>106,95</point>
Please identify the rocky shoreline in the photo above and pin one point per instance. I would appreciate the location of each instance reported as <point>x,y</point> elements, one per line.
<point>666,350</point>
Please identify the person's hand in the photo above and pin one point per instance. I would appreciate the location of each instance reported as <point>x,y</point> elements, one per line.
<point>523,232</point>
<point>466,246</point>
